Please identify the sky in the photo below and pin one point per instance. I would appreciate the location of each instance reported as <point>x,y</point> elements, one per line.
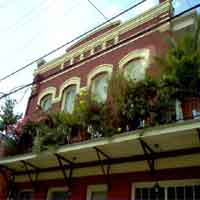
<point>30,29</point>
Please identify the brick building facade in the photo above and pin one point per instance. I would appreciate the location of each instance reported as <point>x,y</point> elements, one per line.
<point>111,168</point>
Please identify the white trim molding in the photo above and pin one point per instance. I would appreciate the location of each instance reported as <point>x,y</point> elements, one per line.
<point>138,53</point>
<point>110,34</point>
<point>49,90</point>
<point>71,81</point>
<point>95,188</point>
<point>105,68</point>
<point>165,184</point>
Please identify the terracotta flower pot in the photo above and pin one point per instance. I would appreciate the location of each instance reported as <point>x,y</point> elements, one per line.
<point>188,105</point>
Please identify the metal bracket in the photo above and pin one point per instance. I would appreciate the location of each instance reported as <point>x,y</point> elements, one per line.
<point>106,172</point>
<point>67,178</point>
<point>34,182</point>
<point>149,155</point>
<point>12,191</point>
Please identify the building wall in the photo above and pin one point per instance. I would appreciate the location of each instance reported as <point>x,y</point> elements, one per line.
<point>113,57</point>
<point>121,184</point>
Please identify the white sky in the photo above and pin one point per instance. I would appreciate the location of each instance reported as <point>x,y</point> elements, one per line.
<point>32,28</point>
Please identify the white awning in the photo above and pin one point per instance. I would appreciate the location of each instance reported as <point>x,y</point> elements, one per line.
<point>167,141</point>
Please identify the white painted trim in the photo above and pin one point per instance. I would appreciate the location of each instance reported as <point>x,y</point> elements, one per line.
<point>71,81</point>
<point>55,189</point>
<point>107,68</point>
<point>47,91</point>
<point>95,188</point>
<point>124,27</point>
<point>173,129</point>
<point>167,183</point>
<point>139,53</point>
<point>113,49</point>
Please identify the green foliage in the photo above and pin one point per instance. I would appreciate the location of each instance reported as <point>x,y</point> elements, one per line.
<point>90,114</point>
<point>181,65</point>
<point>7,115</point>
<point>51,132</point>
<point>27,134</point>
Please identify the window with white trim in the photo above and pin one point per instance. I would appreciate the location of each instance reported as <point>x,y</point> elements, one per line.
<point>69,96</point>
<point>174,192</point>
<point>57,194</point>
<point>46,102</point>
<point>99,87</point>
<point>135,69</point>
<point>97,192</point>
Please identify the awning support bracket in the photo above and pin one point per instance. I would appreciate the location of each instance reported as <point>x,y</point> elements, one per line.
<point>106,171</point>
<point>12,190</point>
<point>34,181</point>
<point>150,156</point>
<point>67,178</point>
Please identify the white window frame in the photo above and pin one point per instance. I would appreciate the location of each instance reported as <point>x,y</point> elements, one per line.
<point>96,188</point>
<point>55,189</point>
<point>44,99</point>
<point>45,92</point>
<point>170,183</point>
<point>143,54</point>
<point>65,97</point>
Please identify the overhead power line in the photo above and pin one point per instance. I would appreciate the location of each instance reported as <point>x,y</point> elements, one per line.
<point>73,40</point>
<point>93,5</point>
<point>149,29</point>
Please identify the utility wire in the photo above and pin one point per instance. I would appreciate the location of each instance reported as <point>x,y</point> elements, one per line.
<point>73,40</point>
<point>19,21</point>
<point>149,29</point>
<point>23,95</point>
<point>93,5</point>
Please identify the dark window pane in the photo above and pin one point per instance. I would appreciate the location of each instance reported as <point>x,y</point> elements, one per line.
<point>197,192</point>
<point>161,194</point>
<point>152,194</point>
<point>59,195</point>
<point>145,194</point>
<point>138,194</point>
<point>171,193</point>
<point>180,193</point>
<point>188,193</point>
<point>25,195</point>
<point>99,195</point>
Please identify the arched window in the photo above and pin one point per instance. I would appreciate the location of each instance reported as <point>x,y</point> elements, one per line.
<point>46,102</point>
<point>135,69</point>
<point>69,96</point>
<point>135,64</point>
<point>99,86</point>
<point>98,81</point>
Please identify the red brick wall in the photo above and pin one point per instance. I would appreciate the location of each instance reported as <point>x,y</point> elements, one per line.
<point>113,57</point>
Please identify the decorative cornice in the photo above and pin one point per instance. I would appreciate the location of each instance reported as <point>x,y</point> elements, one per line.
<point>113,33</point>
